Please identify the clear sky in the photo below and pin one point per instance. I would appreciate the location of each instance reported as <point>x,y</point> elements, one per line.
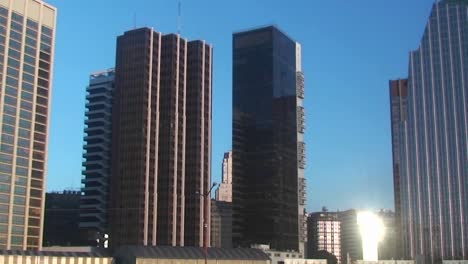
<point>350,51</point>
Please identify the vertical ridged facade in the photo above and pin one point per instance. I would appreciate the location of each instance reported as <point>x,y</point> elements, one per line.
<point>97,149</point>
<point>434,146</point>
<point>27,37</point>
<point>161,139</point>
<point>198,142</point>
<point>268,141</point>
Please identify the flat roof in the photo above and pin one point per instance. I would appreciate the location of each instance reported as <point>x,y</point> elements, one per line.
<point>167,252</point>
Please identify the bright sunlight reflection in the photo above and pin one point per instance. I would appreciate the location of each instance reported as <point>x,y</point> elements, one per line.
<point>372,231</point>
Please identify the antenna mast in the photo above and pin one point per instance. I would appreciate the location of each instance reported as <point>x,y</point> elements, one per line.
<point>179,7</point>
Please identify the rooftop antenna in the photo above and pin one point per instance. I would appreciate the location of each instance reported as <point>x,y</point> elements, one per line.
<point>179,10</point>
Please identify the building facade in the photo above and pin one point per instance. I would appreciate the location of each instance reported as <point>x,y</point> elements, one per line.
<point>224,191</point>
<point>27,37</point>
<point>161,140</point>
<point>324,233</point>
<point>433,150</point>
<point>61,219</point>
<point>388,247</point>
<point>268,140</point>
<point>97,156</point>
<point>351,242</point>
<point>221,224</point>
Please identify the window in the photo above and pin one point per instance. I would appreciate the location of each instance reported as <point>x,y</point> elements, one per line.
<point>8,139</point>
<point>6,158</point>
<point>28,77</point>
<point>17,17</point>
<point>47,31</point>
<point>29,69</point>
<point>17,230</point>
<point>14,34</point>
<point>20,171</point>
<point>29,59</point>
<point>14,54</point>
<point>10,120</point>
<point>5,178</point>
<point>11,91</point>
<point>30,51</point>
<point>4,198</point>
<point>28,87</point>
<point>5,188</point>
<point>24,132</point>
<point>12,82</point>
<point>20,191</point>
<point>25,114</point>
<point>24,123</point>
<point>5,168</point>
<point>17,240</point>
<point>10,100</point>
<point>18,200</point>
<point>15,44</point>
<point>13,63</point>
<point>32,24</point>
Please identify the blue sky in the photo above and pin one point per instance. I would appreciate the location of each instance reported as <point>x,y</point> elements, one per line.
<point>350,51</point>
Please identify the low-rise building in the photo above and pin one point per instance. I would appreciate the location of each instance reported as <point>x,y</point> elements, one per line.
<point>221,224</point>
<point>386,262</point>
<point>186,255</point>
<point>50,257</point>
<point>324,233</point>
<point>305,261</point>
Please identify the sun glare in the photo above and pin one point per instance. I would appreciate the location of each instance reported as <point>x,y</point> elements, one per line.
<point>372,231</point>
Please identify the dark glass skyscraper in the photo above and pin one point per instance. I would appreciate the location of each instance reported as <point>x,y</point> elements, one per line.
<point>268,140</point>
<point>433,150</point>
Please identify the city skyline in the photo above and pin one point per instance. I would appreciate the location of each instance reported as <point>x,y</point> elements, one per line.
<point>362,161</point>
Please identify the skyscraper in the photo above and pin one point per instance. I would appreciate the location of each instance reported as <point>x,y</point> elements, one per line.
<point>27,33</point>
<point>268,140</point>
<point>398,94</point>
<point>433,150</point>
<point>224,191</point>
<point>351,242</point>
<point>161,143</point>
<point>97,154</point>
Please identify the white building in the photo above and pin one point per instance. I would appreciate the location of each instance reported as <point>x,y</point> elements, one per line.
<point>386,262</point>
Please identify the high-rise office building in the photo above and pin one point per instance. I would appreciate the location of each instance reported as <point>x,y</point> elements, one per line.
<point>268,141</point>
<point>398,94</point>
<point>224,191</point>
<point>387,246</point>
<point>161,158</point>
<point>97,156</point>
<point>433,150</point>
<point>351,242</point>
<point>324,233</point>
<point>27,34</point>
